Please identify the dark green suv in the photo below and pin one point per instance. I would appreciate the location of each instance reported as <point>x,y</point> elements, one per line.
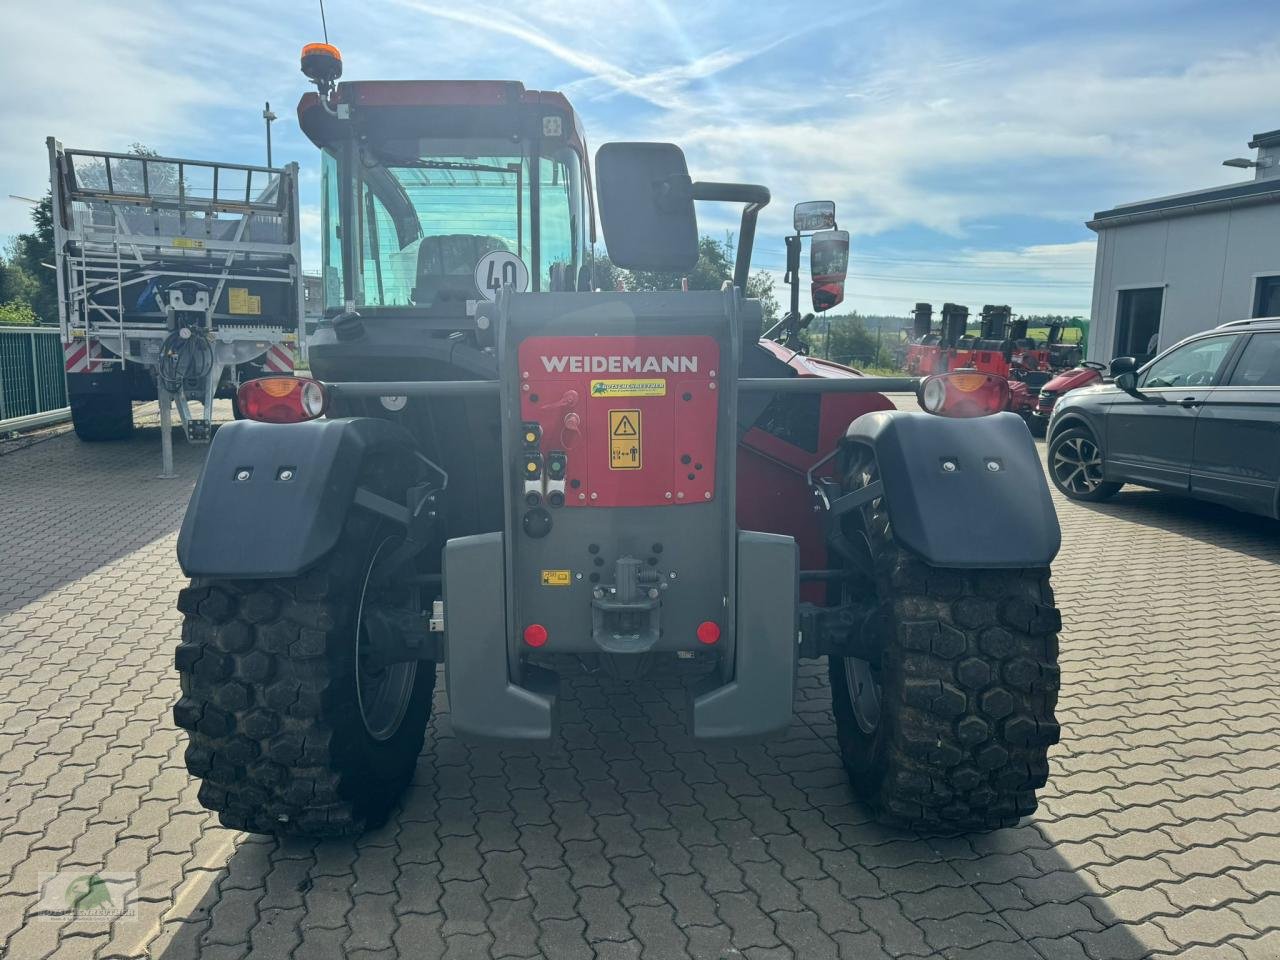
<point>1201,419</point>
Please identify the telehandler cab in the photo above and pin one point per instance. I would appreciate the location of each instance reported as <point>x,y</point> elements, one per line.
<point>499,469</point>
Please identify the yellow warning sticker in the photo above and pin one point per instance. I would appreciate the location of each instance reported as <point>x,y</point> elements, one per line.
<point>188,243</point>
<point>556,578</point>
<point>628,388</point>
<point>624,439</point>
<point>239,300</point>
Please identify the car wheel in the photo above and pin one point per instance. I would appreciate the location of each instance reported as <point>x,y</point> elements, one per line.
<point>1075,466</point>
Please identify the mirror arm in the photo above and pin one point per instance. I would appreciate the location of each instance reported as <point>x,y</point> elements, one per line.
<point>1137,394</point>
<point>756,198</point>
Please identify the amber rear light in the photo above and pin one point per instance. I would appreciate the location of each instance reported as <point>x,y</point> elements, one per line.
<point>964,393</point>
<point>282,399</point>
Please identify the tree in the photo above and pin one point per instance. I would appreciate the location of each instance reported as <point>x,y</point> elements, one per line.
<point>846,338</point>
<point>760,287</point>
<point>714,267</point>
<point>605,274</point>
<point>24,276</point>
<point>14,314</point>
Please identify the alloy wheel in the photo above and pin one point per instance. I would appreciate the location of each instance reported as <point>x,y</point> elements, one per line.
<point>1077,465</point>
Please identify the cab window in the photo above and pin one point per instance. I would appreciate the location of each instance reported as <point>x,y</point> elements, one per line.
<point>1195,364</point>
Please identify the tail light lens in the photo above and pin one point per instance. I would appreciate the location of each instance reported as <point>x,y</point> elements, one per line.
<point>282,399</point>
<point>964,393</point>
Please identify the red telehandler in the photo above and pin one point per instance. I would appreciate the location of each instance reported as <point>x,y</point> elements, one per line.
<point>500,470</point>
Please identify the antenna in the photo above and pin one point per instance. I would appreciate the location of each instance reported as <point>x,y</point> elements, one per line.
<point>323,25</point>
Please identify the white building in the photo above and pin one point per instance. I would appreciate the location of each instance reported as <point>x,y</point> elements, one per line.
<point>1171,267</point>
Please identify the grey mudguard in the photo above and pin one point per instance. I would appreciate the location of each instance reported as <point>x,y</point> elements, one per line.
<point>992,510</point>
<point>757,702</point>
<point>265,527</point>
<point>483,701</point>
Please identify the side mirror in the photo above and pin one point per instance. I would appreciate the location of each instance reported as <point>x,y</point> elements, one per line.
<point>1123,365</point>
<point>1128,382</point>
<point>646,206</point>
<point>814,215</point>
<point>1125,372</point>
<point>828,266</point>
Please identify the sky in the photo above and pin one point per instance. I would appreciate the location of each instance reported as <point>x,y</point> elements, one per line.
<point>965,145</point>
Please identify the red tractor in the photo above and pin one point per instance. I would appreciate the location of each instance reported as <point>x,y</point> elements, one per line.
<point>502,471</point>
<point>1001,348</point>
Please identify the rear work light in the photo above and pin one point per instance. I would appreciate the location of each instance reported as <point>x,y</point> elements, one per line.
<point>964,393</point>
<point>282,399</point>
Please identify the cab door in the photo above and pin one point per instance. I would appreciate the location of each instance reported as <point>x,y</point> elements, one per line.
<point>1236,456</point>
<point>1151,441</point>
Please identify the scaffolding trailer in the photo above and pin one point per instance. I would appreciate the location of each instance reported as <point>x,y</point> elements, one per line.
<point>177,281</point>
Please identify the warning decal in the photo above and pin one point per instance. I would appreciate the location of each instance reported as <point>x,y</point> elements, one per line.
<point>624,439</point>
<point>556,578</point>
<point>239,300</point>
<point>628,388</point>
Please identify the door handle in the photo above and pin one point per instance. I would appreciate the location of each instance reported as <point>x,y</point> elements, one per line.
<point>1190,402</point>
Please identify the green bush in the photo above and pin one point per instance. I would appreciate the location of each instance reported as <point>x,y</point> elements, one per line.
<point>15,314</point>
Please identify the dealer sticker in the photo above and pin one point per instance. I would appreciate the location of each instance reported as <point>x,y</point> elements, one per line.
<point>556,578</point>
<point>628,388</point>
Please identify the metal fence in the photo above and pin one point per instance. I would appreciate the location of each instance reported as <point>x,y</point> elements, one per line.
<point>33,387</point>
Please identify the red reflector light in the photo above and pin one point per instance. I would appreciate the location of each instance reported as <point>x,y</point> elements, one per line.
<point>282,399</point>
<point>964,393</point>
<point>708,632</point>
<point>535,635</point>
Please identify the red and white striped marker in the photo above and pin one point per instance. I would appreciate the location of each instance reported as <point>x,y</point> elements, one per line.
<point>279,359</point>
<point>82,356</point>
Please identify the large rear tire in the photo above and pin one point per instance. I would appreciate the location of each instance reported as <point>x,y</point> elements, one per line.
<point>950,729</point>
<point>292,732</point>
<point>99,417</point>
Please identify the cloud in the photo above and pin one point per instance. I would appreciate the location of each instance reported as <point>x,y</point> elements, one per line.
<point>89,74</point>
<point>973,143</point>
<point>956,147</point>
<point>664,87</point>
<point>1034,279</point>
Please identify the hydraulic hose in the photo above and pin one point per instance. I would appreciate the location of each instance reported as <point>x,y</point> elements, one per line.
<point>184,355</point>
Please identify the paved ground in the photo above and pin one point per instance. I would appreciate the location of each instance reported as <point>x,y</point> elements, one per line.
<point>1159,833</point>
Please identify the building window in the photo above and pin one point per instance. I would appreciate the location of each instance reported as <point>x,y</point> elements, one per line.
<point>1138,323</point>
<point>1266,298</point>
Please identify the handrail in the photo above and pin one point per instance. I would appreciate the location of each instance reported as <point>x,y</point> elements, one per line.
<point>72,152</point>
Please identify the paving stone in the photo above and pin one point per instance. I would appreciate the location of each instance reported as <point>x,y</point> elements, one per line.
<point>886,918</point>
<point>1159,834</point>
<point>1205,926</point>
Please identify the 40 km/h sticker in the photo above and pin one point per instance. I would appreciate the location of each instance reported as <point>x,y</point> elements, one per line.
<point>624,439</point>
